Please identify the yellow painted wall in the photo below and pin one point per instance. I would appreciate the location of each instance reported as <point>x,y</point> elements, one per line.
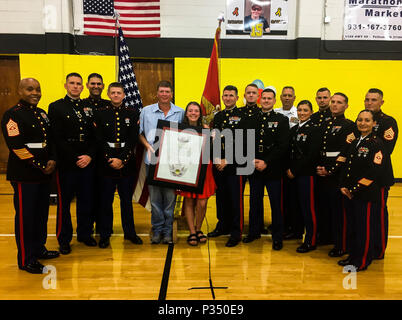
<point>352,77</point>
<point>51,71</point>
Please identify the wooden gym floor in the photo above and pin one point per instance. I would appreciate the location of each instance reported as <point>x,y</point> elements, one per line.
<point>249,271</point>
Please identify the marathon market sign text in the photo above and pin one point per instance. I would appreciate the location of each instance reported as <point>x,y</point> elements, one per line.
<point>373,20</point>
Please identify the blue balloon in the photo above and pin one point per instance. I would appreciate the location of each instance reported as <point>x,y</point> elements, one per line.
<point>259,83</point>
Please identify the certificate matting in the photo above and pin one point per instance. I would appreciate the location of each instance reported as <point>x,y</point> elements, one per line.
<point>179,158</point>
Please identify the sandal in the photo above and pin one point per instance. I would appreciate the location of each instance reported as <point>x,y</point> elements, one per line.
<point>202,238</point>
<point>192,239</point>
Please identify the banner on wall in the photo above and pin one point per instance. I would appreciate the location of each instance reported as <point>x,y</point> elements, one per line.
<point>256,18</point>
<point>373,20</point>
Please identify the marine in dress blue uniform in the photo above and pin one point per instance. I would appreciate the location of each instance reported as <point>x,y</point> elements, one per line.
<point>304,148</point>
<point>271,144</point>
<point>116,128</point>
<point>250,110</point>
<point>363,166</point>
<point>229,191</point>
<point>32,159</point>
<point>92,103</point>
<point>385,129</point>
<point>72,127</point>
<point>323,97</point>
<point>338,133</point>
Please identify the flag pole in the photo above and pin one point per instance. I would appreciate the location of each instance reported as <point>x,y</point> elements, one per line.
<point>116,15</point>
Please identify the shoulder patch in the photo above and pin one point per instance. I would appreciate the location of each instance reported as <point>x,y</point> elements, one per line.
<point>378,157</point>
<point>350,138</point>
<point>389,134</point>
<point>12,128</point>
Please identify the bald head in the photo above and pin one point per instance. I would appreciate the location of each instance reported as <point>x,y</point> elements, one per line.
<point>29,90</point>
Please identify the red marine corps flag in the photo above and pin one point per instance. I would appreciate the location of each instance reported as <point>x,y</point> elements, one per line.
<point>211,97</point>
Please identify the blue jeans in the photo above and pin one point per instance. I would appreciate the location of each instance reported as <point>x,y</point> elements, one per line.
<point>163,201</point>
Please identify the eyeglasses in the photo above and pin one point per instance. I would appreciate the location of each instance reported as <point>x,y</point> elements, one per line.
<point>256,9</point>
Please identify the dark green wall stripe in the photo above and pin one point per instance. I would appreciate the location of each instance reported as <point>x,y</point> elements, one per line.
<point>188,47</point>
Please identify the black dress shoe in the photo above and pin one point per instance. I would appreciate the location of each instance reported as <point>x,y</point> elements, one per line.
<point>34,267</point>
<point>277,245</point>
<point>232,242</point>
<point>134,239</point>
<point>305,247</point>
<point>65,248</point>
<point>48,254</point>
<point>335,252</point>
<point>216,233</point>
<point>104,243</point>
<point>90,242</point>
<point>345,262</point>
<point>251,238</point>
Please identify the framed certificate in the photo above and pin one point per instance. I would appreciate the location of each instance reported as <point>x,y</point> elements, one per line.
<point>178,162</point>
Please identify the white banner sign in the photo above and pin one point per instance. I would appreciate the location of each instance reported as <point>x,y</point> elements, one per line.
<point>373,20</point>
<point>256,18</point>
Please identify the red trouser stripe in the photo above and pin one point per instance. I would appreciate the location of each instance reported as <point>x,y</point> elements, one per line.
<point>367,235</point>
<point>21,226</point>
<point>241,205</point>
<point>344,227</point>
<point>312,209</point>
<point>382,223</point>
<point>59,205</point>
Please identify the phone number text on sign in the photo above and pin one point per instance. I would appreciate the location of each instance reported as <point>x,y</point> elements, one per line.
<point>372,20</point>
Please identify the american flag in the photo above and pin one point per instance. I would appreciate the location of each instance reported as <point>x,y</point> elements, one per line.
<point>133,99</point>
<point>138,18</point>
<point>127,76</point>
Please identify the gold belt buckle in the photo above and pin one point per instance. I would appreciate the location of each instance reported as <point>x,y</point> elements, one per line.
<point>117,145</point>
<point>260,148</point>
<point>44,144</point>
<point>81,137</point>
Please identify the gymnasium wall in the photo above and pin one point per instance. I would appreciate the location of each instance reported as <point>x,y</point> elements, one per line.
<point>352,77</point>
<point>47,36</point>
<point>51,70</point>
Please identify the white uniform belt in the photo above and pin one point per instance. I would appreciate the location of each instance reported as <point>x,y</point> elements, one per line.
<point>36,145</point>
<point>116,144</point>
<point>332,154</point>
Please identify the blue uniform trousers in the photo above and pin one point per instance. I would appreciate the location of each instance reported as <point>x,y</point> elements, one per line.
<point>229,203</point>
<point>380,226</point>
<point>362,216</point>
<point>223,202</point>
<point>31,203</point>
<point>125,189</point>
<point>292,213</point>
<point>305,191</point>
<point>275,194</point>
<point>331,211</point>
<point>72,183</point>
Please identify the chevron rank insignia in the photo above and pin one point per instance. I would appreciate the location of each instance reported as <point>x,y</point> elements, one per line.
<point>389,134</point>
<point>350,138</point>
<point>23,153</point>
<point>12,128</point>
<point>378,157</point>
